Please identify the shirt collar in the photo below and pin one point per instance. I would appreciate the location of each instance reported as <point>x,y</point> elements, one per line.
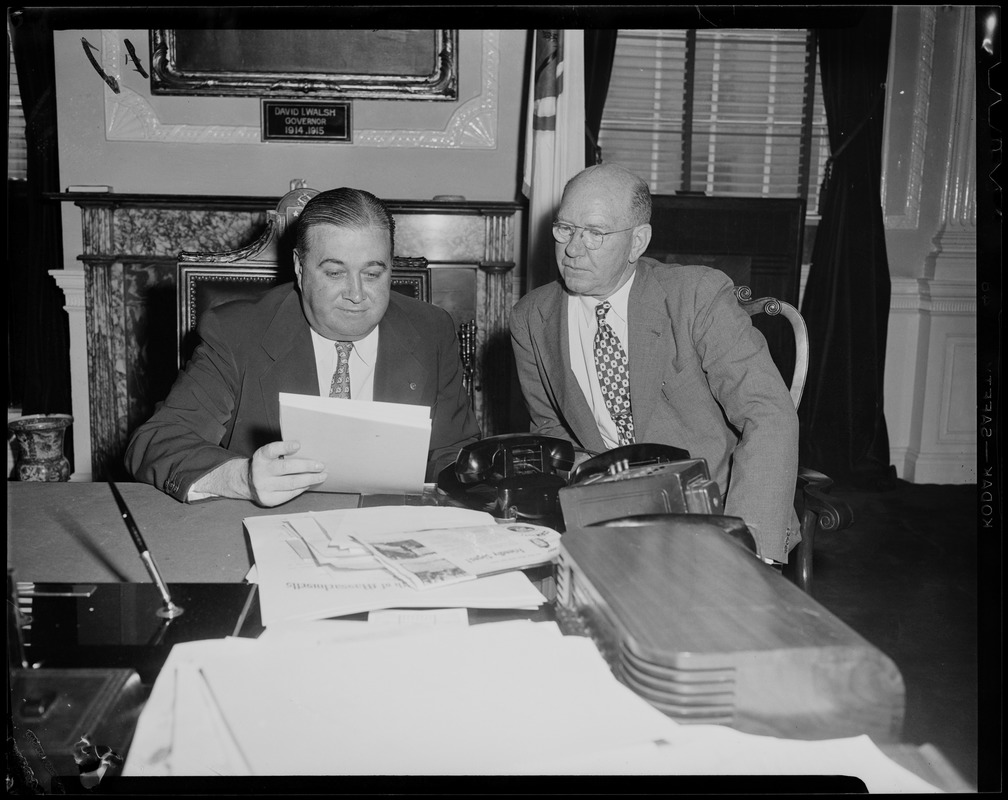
<point>365,349</point>
<point>618,301</point>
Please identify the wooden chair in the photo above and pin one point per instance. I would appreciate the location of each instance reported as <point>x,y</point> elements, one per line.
<point>205,280</point>
<point>467,351</point>
<point>815,508</point>
<point>202,286</point>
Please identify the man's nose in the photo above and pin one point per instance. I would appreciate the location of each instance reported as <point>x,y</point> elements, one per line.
<point>575,246</point>
<point>354,291</point>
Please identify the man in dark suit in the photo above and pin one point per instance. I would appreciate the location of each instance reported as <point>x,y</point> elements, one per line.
<point>625,349</point>
<point>337,330</point>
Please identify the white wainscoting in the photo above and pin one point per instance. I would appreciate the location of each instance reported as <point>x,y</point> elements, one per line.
<point>930,381</point>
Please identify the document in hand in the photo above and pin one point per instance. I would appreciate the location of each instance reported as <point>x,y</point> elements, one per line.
<point>313,565</point>
<point>367,446</point>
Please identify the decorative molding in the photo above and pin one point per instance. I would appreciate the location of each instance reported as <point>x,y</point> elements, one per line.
<point>499,238</point>
<point>959,192</point>
<point>959,467</point>
<point>950,298</point>
<point>72,282</point>
<point>909,294</point>
<point>910,213</point>
<point>473,125</point>
<point>963,348</point>
<point>953,256</point>
<point>130,117</point>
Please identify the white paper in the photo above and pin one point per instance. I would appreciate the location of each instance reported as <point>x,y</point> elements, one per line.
<point>719,750</point>
<point>423,617</point>
<point>439,701</point>
<point>294,584</point>
<point>420,701</point>
<point>368,447</point>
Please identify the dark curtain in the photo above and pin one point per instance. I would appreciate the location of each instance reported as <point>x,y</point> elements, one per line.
<point>846,302</point>
<point>45,339</point>
<point>599,47</point>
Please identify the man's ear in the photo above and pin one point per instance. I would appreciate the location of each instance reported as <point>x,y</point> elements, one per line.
<point>639,241</point>
<point>297,268</point>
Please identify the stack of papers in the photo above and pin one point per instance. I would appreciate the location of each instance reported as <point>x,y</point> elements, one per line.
<point>427,559</point>
<point>367,446</point>
<point>329,564</point>
<point>444,701</point>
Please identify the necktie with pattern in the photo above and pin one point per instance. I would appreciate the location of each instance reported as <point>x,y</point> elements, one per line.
<point>341,377</point>
<point>613,374</point>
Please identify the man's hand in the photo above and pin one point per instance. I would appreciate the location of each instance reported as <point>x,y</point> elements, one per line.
<point>273,478</point>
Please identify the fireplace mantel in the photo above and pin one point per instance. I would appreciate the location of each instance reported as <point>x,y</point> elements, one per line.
<point>130,246</point>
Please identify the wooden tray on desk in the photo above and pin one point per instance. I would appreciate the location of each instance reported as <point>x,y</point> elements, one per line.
<point>680,605</point>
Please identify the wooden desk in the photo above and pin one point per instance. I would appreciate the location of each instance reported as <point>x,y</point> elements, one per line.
<point>72,532</point>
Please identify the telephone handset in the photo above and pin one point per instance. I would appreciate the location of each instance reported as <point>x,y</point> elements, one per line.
<point>513,475</point>
<point>513,454</point>
<point>622,458</point>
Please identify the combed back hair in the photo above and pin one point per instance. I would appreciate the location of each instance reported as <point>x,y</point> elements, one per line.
<point>346,208</point>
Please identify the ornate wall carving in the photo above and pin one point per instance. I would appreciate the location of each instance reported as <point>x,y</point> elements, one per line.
<point>130,117</point>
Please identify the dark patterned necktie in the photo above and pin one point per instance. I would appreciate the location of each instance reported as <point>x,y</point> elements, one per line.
<point>341,377</point>
<point>613,374</point>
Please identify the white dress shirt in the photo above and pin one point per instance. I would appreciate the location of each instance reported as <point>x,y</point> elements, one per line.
<point>581,328</point>
<point>362,363</point>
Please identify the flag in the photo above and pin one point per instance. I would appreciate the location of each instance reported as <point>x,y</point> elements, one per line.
<point>554,139</point>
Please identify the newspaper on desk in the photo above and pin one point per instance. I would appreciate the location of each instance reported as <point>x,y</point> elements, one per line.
<point>315,565</point>
<point>426,559</point>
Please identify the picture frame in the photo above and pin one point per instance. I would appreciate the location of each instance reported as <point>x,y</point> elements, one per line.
<point>361,63</point>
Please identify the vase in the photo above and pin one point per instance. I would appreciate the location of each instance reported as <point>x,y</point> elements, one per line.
<point>40,446</point>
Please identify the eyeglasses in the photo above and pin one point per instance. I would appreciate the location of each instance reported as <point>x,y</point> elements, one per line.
<point>592,238</point>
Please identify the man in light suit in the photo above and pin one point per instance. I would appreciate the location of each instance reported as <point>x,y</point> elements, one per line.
<point>698,374</point>
<point>217,433</point>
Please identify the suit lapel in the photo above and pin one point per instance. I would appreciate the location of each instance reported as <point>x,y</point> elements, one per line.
<point>554,351</point>
<point>651,346</point>
<point>288,344</point>
<point>400,377</point>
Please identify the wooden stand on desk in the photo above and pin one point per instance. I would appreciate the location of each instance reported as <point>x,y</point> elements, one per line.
<point>695,624</point>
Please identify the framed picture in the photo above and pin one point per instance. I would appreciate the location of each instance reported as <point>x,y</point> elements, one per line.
<point>367,64</point>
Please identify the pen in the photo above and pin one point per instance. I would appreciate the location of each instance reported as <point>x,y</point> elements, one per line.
<point>170,610</point>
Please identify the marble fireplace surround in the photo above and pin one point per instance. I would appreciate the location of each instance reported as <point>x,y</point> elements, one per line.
<point>131,244</point>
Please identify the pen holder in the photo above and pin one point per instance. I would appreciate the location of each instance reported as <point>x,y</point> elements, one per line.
<point>40,447</point>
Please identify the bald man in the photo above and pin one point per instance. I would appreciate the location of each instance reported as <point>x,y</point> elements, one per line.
<point>625,349</point>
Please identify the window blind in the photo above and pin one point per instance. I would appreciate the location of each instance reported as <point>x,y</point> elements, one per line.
<point>17,149</point>
<point>723,112</point>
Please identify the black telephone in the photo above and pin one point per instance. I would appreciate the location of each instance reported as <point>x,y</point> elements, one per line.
<point>514,475</point>
<point>629,455</point>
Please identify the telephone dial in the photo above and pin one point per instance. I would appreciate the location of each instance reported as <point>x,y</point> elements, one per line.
<point>515,476</point>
